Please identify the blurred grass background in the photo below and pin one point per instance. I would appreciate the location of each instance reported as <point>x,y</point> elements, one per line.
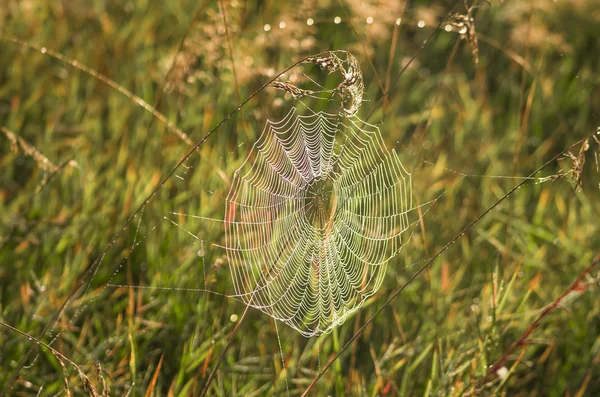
<point>78,157</point>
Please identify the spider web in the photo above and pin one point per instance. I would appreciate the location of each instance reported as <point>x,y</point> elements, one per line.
<point>316,210</point>
<point>313,216</point>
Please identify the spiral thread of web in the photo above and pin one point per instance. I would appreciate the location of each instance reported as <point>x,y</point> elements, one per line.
<point>313,217</point>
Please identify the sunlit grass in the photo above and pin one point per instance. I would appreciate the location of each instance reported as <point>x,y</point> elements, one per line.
<point>526,100</point>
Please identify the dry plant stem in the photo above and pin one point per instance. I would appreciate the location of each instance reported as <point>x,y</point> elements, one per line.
<point>441,251</point>
<point>78,65</point>
<point>82,278</point>
<point>379,82</point>
<point>26,147</point>
<point>50,169</point>
<point>61,357</point>
<point>522,341</point>
<point>392,50</point>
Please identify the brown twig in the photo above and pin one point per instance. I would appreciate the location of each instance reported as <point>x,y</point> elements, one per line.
<point>576,287</point>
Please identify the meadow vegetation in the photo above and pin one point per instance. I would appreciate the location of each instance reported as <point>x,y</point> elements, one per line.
<point>100,100</point>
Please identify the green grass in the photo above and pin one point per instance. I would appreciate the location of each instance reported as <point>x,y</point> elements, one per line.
<point>533,93</point>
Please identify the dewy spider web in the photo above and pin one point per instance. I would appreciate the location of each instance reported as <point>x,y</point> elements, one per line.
<point>316,211</point>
